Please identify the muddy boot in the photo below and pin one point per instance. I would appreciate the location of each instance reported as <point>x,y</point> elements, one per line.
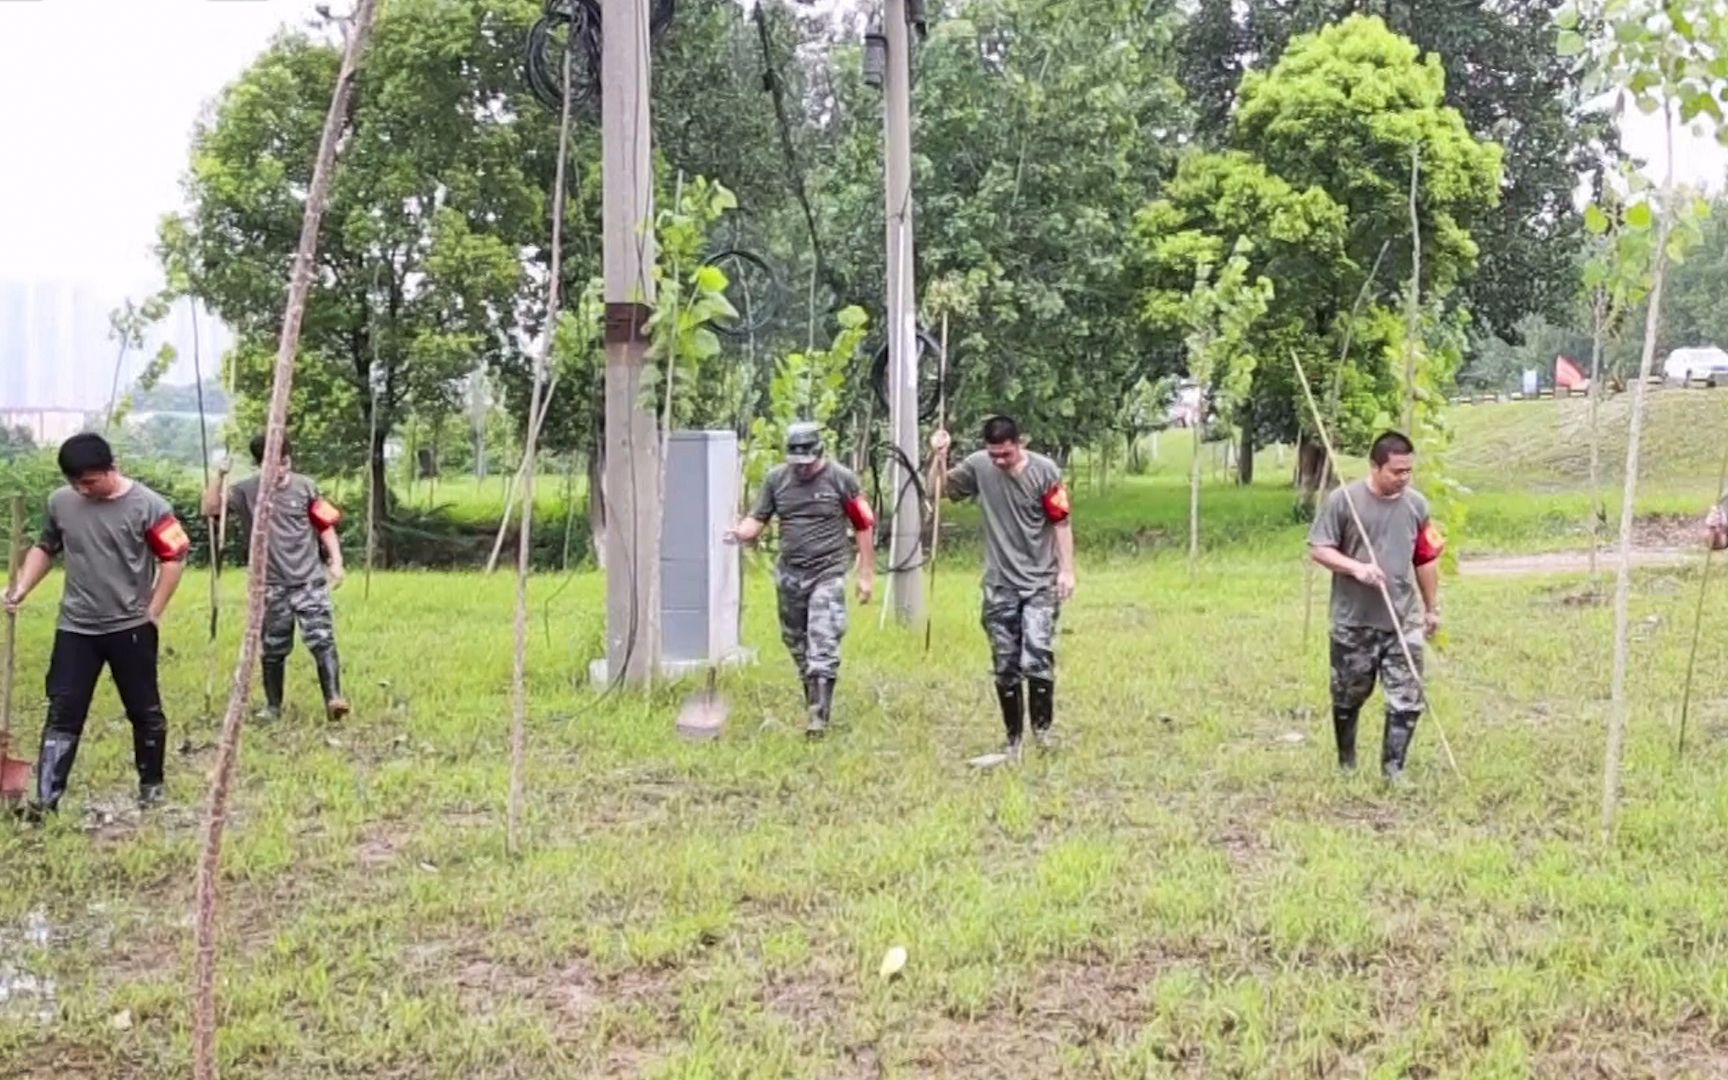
<point>149,748</point>
<point>274,671</point>
<point>1344,730</point>
<point>1400,729</point>
<point>1013,701</point>
<point>1041,703</point>
<point>821,706</point>
<point>53,770</point>
<point>336,706</point>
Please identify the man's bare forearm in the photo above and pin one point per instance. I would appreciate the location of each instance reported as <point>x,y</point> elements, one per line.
<point>1428,582</point>
<point>167,580</point>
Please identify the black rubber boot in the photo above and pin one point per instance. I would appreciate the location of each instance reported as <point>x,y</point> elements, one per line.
<point>1013,701</point>
<point>1041,703</point>
<point>329,666</point>
<point>1344,723</point>
<point>149,749</point>
<point>54,769</point>
<point>1400,729</point>
<point>821,706</point>
<point>274,671</point>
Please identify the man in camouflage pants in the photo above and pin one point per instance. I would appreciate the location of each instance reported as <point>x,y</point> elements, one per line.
<point>816,500</point>
<point>1400,556</point>
<point>1028,567</point>
<point>297,581</point>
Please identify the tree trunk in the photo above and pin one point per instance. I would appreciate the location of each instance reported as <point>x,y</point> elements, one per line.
<point>1617,703</point>
<point>1194,504</point>
<point>1413,313</point>
<point>1313,474</point>
<point>1598,512</point>
<point>597,505</point>
<point>228,750</point>
<point>378,499</point>
<point>1245,457</point>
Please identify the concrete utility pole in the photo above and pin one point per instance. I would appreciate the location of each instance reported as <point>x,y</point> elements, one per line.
<point>907,582</point>
<point>632,439</point>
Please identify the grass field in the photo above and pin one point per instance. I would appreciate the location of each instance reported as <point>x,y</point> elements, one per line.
<point>1185,888</point>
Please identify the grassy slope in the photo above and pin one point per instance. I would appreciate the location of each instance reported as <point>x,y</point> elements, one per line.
<point>1183,891</point>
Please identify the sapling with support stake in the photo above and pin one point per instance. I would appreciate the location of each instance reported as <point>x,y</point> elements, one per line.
<point>358,30</point>
<point>1373,560</point>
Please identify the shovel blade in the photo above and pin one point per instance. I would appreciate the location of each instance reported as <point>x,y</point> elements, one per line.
<point>14,778</point>
<point>702,716</point>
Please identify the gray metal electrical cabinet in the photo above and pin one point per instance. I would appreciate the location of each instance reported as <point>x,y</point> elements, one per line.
<point>699,571</point>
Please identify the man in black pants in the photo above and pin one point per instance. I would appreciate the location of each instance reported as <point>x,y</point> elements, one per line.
<point>124,552</point>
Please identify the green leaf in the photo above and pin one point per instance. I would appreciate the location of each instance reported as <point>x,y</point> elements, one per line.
<point>1566,18</point>
<point>704,344</point>
<point>1595,220</point>
<point>711,279</point>
<point>1571,43</point>
<point>853,317</point>
<point>1639,216</point>
<point>1677,249</point>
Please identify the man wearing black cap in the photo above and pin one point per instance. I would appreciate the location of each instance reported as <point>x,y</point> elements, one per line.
<point>816,501</point>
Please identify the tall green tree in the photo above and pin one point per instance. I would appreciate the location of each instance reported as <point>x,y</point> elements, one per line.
<point>421,274</point>
<point>1039,135</point>
<point>1504,78</point>
<point>1319,181</point>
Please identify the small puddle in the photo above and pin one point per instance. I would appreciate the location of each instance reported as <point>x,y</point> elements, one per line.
<point>25,995</point>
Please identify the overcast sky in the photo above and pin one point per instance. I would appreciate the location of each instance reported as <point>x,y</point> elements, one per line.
<point>100,96</point>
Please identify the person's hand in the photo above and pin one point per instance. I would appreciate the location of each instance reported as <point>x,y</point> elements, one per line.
<point>13,601</point>
<point>224,465</point>
<point>1369,575</point>
<point>940,442</point>
<point>336,573</point>
<point>1430,623</point>
<point>866,589</point>
<point>731,536</point>
<point>155,617</point>
<point>1065,585</point>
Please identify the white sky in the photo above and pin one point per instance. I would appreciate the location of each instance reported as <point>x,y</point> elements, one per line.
<point>100,97</point>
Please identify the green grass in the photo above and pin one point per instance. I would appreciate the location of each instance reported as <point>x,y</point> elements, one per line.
<point>1184,890</point>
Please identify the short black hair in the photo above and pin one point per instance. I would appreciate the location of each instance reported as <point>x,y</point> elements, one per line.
<point>1388,444</point>
<point>1001,429</point>
<point>258,442</point>
<point>85,453</point>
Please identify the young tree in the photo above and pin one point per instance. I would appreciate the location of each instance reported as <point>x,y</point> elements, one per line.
<point>1665,56</point>
<point>1219,315</point>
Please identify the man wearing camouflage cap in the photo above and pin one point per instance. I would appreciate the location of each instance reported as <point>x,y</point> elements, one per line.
<point>816,500</point>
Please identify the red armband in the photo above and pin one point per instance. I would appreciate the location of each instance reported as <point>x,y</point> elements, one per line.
<point>858,512</point>
<point>168,539</point>
<point>1430,545</point>
<point>1056,506</point>
<point>324,516</point>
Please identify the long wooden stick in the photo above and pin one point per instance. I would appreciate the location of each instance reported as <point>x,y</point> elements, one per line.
<point>1367,543</point>
<point>1698,615</point>
<point>941,475</point>
<point>1333,394</point>
<point>9,669</point>
<point>228,752</point>
<point>525,537</point>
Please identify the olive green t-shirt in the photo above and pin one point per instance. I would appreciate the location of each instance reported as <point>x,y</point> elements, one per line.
<point>1019,537</point>
<point>815,532</point>
<point>293,546</point>
<point>110,564</point>
<point>1393,524</point>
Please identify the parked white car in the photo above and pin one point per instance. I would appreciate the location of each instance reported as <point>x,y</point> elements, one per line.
<point>1708,364</point>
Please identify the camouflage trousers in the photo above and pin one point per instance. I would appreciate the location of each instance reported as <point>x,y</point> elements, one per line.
<point>1360,654</point>
<point>812,621</point>
<point>1021,627</point>
<point>308,605</point>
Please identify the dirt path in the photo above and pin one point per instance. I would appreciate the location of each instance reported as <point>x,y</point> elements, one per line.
<point>1568,562</point>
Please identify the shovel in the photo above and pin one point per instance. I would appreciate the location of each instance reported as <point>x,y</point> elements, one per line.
<point>14,772</point>
<point>703,714</point>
